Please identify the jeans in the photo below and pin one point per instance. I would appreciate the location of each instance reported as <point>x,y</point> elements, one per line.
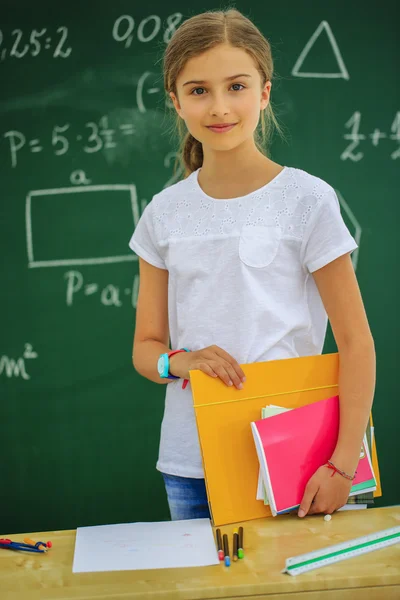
<point>187,497</point>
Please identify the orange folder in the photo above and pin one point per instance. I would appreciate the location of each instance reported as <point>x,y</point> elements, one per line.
<point>223,416</point>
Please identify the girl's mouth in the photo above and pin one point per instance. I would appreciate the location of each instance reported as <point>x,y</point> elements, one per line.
<point>221,129</point>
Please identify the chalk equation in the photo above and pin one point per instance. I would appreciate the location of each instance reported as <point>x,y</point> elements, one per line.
<point>355,137</point>
<point>16,367</point>
<point>19,43</point>
<point>94,137</point>
<point>108,295</point>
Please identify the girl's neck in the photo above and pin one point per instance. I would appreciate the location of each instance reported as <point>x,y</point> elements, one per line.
<point>229,174</point>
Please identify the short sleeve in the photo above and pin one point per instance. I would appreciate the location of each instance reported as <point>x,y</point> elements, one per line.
<point>143,241</point>
<point>326,236</point>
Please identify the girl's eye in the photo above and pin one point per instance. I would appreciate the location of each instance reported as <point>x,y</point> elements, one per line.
<point>200,88</point>
<point>242,86</point>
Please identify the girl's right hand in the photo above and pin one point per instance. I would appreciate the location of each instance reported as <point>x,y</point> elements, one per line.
<point>213,361</point>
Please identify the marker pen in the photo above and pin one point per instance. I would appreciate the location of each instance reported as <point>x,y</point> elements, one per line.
<point>235,545</point>
<point>219,545</point>
<point>240,549</point>
<point>226,551</point>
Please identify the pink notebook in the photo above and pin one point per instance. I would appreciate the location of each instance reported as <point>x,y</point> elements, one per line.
<point>292,445</point>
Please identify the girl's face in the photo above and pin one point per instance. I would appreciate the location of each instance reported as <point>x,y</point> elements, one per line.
<point>220,86</point>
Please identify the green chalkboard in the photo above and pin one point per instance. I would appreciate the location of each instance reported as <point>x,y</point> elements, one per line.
<point>84,144</point>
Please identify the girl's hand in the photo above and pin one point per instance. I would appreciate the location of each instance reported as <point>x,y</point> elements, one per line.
<point>324,493</point>
<point>213,361</point>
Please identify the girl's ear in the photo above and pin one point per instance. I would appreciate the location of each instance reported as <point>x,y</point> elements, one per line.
<point>265,95</point>
<point>175,103</point>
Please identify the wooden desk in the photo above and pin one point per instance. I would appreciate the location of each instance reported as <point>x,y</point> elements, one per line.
<point>268,542</point>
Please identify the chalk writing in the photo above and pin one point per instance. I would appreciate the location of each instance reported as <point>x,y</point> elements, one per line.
<point>147,30</point>
<point>15,45</point>
<point>15,367</point>
<point>109,295</point>
<point>352,151</point>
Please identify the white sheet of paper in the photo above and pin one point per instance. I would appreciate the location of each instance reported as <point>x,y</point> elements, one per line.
<point>260,490</point>
<point>133,546</point>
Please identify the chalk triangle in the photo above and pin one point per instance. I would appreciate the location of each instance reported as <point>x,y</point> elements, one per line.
<point>340,74</point>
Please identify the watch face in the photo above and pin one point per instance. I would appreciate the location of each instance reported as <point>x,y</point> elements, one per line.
<point>160,365</point>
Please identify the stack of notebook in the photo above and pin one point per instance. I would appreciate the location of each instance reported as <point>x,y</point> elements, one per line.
<point>223,417</point>
<point>292,444</point>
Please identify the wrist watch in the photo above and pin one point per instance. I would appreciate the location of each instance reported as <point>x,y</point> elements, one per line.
<point>163,364</point>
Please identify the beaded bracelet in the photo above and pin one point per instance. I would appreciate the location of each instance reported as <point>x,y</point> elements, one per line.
<point>330,465</point>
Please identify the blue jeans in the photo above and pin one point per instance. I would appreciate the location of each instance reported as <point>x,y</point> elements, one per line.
<point>187,497</point>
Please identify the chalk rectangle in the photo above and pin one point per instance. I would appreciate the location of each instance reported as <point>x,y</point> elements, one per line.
<point>82,225</point>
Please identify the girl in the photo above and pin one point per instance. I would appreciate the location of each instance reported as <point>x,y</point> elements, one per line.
<point>243,260</point>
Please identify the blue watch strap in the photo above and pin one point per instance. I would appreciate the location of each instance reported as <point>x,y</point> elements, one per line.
<point>163,364</point>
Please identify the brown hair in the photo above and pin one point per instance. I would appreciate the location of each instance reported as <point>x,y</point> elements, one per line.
<point>199,34</point>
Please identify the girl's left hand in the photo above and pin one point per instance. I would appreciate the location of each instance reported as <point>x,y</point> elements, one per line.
<point>324,493</point>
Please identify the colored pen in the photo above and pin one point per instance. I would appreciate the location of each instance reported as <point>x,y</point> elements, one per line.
<point>240,549</point>
<point>35,547</point>
<point>235,544</point>
<point>219,544</point>
<point>226,551</point>
<point>40,546</point>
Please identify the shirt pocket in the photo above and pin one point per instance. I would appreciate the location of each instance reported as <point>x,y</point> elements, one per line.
<point>258,245</point>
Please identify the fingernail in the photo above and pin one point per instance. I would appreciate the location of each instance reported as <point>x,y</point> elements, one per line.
<point>230,383</point>
<point>240,387</point>
<point>243,378</point>
<point>301,512</point>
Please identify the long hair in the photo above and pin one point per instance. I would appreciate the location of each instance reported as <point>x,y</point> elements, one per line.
<point>199,34</point>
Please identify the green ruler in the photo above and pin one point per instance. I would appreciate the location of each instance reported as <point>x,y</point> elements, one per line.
<point>332,554</point>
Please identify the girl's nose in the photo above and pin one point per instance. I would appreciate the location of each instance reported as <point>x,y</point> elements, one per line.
<point>219,106</point>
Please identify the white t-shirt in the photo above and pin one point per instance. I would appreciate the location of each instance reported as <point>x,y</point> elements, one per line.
<point>239,277</point>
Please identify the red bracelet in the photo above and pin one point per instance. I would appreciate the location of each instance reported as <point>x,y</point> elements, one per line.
<point>330,465</point>
<point>185,381</point>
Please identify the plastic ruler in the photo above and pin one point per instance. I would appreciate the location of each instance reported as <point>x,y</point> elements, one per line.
<point>332,554</point>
